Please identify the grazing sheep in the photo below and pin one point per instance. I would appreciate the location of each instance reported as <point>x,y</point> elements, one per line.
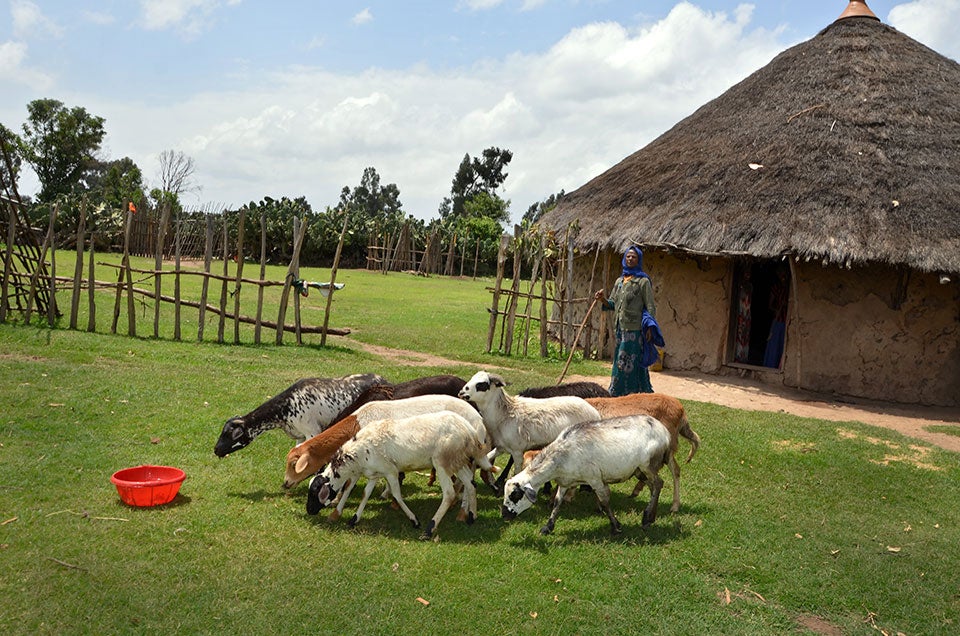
<point>302,410</point>
<point>516,424</point>
<point>429,385</point>
<point>308,457</point>
<point>579,389</point>
<point>671,414</point>
<point>443,440</point>
<point>597,454</point>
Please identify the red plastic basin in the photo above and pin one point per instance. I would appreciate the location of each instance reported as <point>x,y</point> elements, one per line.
<point>148,485</point>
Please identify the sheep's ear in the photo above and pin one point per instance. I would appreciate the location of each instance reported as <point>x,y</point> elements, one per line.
<point>530,492</point>
<point>496,380</point>
<point>302,463</point>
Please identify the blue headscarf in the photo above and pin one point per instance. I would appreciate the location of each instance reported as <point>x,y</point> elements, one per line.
<point>633,271</point>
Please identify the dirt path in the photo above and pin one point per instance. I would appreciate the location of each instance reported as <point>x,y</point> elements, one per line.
<point>913,421</point>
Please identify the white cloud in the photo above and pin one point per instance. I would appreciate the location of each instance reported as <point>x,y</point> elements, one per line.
<point>188,17</point>
<point>572,111</point>
<point>480,5</point>
<point>363,17</point>
<point>12,68</point>
<point>29,21</point>
<point>932,22</point>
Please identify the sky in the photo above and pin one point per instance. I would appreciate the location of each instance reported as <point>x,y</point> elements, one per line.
<point>298,97</point>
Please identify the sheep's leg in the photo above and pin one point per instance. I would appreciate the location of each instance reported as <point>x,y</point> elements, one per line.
<point>344,494</point>
<point>603,498</point>
<point>468,496</point>
<point>449,496</point>
<point>371,484</point>
<point>558,499</point>
<point>650,512</point>
<point>394,484</point>
<point>675,469</point>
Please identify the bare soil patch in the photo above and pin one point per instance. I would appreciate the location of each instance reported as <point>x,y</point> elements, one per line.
<point>911,420</point>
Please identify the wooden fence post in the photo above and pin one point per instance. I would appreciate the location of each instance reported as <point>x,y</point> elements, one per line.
<point>91,300</point>
<point>223,283</point>
<point>236,290</point>
<point>288,281</point>
<point>158,265</point>
<point>263,275</point>
<point>207,258</point>
<point>8,261</point>
<point>333,279</point>
<point>495,306</point>
<point>78,267</point>
<point>176,278</point>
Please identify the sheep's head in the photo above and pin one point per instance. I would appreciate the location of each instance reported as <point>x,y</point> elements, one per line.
<point>313,500</point>
<point>299,466</point>
<point>334,478</point>
<point>233,437</point>
<point>518,495</point>
<point>481,387</point>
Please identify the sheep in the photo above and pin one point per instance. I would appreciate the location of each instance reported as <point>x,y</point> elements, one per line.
<point>429,385</point>
<point>443,440</point>
<point>302,410</point>
<point>516,424</point>
<point>671,414</point>
<point>580,389</point>
<point>308,457</point>
<point>597,454</point>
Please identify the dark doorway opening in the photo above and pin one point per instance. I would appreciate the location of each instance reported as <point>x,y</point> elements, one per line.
<point>758,313</point>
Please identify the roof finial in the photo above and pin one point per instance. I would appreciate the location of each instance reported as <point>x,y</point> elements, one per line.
<point>857,9</point>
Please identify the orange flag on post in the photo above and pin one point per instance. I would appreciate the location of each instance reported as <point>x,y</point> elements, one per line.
<point>132,207</point>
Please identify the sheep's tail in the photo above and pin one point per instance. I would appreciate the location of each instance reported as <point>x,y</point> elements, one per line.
<point>690,435</point>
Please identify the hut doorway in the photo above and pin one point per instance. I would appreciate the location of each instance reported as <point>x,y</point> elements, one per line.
<point>758,314</point>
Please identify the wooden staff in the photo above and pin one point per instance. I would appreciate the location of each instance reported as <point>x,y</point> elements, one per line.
<point>573,345</point>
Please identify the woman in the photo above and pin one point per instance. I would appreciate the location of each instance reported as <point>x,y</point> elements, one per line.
<point>630,299</point>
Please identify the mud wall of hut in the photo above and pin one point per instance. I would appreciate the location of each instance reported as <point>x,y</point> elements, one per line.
<point>877,333</point>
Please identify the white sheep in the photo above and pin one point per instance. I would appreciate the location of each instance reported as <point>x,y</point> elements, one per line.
<point>516,424</point>
<point>444,441</point>
<point>308,457</point>
<point>597,454</point>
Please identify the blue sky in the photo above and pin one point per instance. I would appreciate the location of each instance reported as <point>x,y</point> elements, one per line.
<point>297,98</point>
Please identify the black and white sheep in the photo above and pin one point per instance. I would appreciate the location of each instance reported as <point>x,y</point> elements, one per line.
<point>444,441</point>
<point>302,410</point>
<point>596,454</point>
<point>308,457</point>
<point>429,385</point>
<point>517,424</point>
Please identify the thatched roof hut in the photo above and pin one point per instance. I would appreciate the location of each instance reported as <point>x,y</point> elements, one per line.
<point>843,151</point>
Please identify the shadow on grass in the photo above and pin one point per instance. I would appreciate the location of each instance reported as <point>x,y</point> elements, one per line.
<point>180,500</point>
<point>381,517</point>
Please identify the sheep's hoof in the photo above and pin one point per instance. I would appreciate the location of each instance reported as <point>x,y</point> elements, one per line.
<point>615,530</point>
<point>648,518</point>
<point>353,521</point>
<point>428,531</point>
<point>334,515</point>
<point>675,508</point>
<point>426,537</point>
<point>545,530</point>
<point>416,523</point>
<point>471,518</point>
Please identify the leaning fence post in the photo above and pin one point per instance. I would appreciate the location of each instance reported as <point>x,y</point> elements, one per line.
<point>205,286</point>
<point>333,279</point>
<point>288,282</point>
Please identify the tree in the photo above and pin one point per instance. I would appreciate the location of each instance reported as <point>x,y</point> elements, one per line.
<point>537,210</point>
<point>9,172</point>
<point>475,176</point>
<point>61,144</point>
<point>176,173</point>
<point>115,183</point>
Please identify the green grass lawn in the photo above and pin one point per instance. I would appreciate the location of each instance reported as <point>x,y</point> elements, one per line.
<point>785,521</point>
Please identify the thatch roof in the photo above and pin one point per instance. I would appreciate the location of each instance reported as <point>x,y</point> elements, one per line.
<point>845,147</point>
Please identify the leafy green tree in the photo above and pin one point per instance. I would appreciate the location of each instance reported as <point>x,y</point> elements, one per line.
<point>373,208</point>
<point>474,176</point>
<point>115,183</point>
<point>537,210</point>
<point>61,144</point>
<point>9,174</point>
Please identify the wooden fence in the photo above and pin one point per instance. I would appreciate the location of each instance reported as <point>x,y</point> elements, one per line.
<point>30,280</point>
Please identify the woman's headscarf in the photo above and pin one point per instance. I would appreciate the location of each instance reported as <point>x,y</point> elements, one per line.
<point>633,271</point>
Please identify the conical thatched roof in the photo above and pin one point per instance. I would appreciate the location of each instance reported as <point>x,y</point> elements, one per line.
<point>845,147</point>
